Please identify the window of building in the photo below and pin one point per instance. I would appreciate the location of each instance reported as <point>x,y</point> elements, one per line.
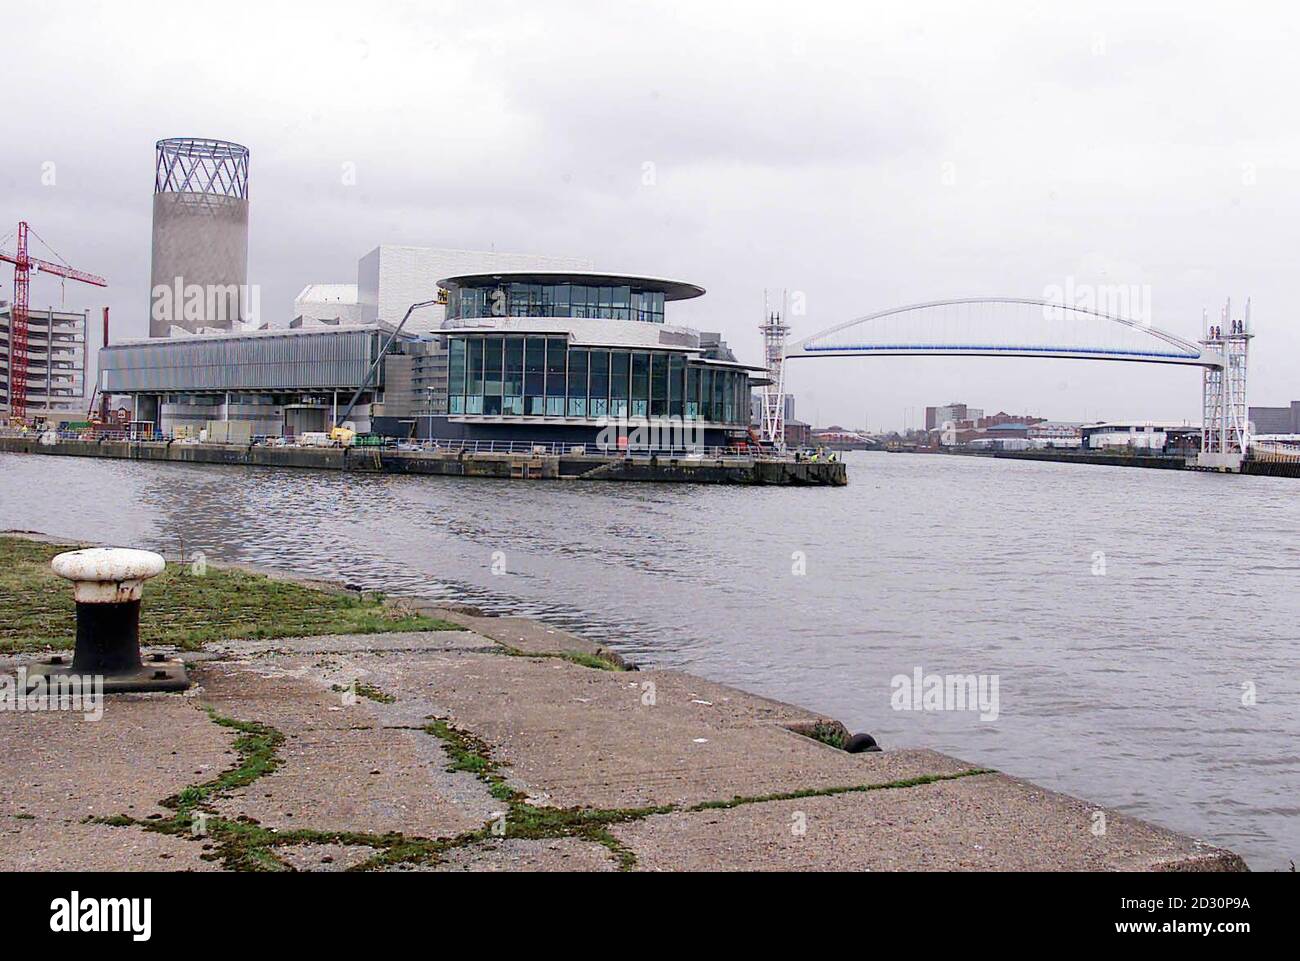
<point>619,364</point>
<point>544,376</point>
<point>557,300</point>
<point>475,366</point>
<point>534,376</point>
<point>556,354</point>
<point>658,385</point>
<point>578,382</point>
<point>493,354</point>
<point>598,389</point>
<point>640,384</point>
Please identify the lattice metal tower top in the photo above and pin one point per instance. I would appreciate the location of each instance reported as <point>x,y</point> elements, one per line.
<point>193,165</point>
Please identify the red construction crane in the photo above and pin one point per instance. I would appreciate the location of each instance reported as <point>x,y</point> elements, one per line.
<point>23,266</point>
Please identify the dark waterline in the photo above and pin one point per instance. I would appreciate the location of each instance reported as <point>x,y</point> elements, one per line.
<point>1125,687</point>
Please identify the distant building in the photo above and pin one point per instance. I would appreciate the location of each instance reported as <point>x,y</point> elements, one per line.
<point>797,433</point>
<point>56,363</point>
<point>1160,436</point>
<point>839,435</point>
<point>1002,418</point>
<point>326,305</point>
<point>756,409</point>
<point>1009,429</point>
<point>993,442</point>
<point>1275,420</point>
<point>951,415</point>
<point>1047,434</point>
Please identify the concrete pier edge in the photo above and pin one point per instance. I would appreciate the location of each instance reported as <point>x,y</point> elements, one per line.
<point>456,463</point>
<point>565,739</point>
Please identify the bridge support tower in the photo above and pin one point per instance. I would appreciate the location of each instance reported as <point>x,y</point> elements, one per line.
<point>775,334</point>
<point>1225,424</point>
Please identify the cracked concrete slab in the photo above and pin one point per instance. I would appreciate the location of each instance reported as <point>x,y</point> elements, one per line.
<point>46,844</point>
<point>566,734</point>
<point>375,781</point>
<point>521,633</point>
<point>401,641</point>
<point>986,822</point>
<point>583,737</point>
<point>144,748</point>
<point>324,857</point>
<point>519,854</point>
<point>344,765</point>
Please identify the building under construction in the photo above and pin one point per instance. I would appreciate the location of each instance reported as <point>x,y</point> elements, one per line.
<point>56,364</point>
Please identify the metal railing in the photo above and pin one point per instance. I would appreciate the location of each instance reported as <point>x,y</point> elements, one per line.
<point>449,447</point>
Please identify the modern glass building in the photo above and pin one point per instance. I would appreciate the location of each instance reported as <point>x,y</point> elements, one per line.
<point>573,358</point>
<point>561,355</point>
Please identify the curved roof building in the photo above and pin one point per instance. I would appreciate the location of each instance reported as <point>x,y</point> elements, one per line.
<point>557,355</point>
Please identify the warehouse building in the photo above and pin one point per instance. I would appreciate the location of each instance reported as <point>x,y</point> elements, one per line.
<point>1275,420</point>
<point>277,382</point>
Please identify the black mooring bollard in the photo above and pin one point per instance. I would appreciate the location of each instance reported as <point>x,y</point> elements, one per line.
<point>108,584</point>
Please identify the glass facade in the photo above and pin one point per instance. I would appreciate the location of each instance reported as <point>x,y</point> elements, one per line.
<point>514,374</point>
<point>556,300</point>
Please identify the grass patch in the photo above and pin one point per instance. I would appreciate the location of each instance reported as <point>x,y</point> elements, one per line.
<point>185,609</point>
<point>597,662</point>
<point>242,844</point>
<point>833,791</point>
<point>594,661</point>
<point>832,734</point>
<point>368,691</point>
<point>529,821</point>
<point>257,746</point>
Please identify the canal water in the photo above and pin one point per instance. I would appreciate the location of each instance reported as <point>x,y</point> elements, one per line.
<point>1141,626</point>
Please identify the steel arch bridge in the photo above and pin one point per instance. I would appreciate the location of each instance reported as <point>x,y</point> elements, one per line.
<point>1023,327</point>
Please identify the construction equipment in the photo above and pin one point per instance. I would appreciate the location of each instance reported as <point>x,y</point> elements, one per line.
<point>24,266</point>
<point>370,374</point>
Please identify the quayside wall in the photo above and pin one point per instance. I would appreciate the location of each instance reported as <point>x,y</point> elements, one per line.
<point>517,466</point>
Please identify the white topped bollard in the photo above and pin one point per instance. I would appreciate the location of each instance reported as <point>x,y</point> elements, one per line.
<point>108,584</point>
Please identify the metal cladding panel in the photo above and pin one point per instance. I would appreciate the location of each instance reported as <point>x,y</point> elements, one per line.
<point>199,275</point>
<point>320,360</point>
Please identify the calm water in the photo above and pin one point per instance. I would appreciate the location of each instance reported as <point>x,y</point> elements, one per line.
<point>1124,687</point>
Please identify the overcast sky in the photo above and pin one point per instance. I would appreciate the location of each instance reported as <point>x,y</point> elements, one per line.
<point>867,155</point>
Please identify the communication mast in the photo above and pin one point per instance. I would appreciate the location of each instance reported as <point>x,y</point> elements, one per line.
<point>1225,427</point>
<point>775,334</point>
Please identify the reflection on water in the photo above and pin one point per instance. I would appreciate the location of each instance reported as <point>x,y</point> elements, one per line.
<point>1124,687</point>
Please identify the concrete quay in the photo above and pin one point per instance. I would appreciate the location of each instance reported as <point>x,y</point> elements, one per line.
<point>509,745</point>
<point>456,463</point>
